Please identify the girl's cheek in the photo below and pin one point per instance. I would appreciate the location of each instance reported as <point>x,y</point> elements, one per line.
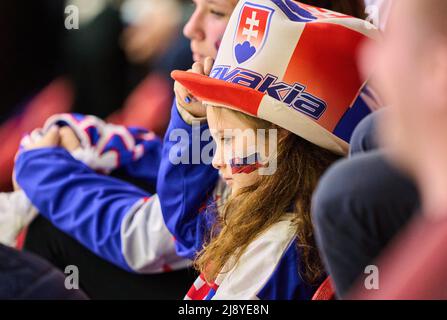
<point>216,32</point>
<point>244,180</point>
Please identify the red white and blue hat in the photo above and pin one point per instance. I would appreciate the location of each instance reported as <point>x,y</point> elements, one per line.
<point>293,65</point>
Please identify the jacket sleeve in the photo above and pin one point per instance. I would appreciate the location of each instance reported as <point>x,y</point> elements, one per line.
<point>114,219</point>
<point>186,182</point>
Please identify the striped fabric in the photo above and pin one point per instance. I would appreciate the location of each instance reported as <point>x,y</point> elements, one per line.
<point>103,146</point>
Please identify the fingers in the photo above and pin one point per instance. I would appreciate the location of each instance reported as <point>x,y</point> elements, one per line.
<point>15,185</point>
<point>203,67</point>
<point>68,139</point>
<point>182,94</point>
<point>36,135</point>
<point>208,65</point>
<point>197,67</point>
<point>185,98</point>
<point>49,139</point>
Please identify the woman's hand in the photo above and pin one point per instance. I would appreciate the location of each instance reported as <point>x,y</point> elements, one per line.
<point>184,98</point>
<point>68,139</point>
<point>64,137</point>
<point>49,139</point>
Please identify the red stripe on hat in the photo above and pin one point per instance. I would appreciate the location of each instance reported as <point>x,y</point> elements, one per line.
<point>325,61</point>
<point>220,92</point>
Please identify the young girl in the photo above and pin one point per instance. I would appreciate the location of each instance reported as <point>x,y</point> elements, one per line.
<point>262,245</point>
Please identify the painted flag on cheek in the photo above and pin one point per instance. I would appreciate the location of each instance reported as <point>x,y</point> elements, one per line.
<point>246,165</point>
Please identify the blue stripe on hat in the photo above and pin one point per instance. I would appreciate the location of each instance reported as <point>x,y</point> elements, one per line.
<point>293,11</point>
<point>351,119</point>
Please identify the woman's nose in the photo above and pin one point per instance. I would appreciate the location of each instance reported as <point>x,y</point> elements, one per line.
<point>193,30</point>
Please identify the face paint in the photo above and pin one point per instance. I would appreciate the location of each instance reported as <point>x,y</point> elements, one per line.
<point>246,165</point>
<point>217,44</point>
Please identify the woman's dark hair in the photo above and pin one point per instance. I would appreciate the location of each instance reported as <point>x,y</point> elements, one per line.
<point>355,8</point>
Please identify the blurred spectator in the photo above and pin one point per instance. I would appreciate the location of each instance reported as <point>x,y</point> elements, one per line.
<point>152,25</point>
<point>26,276</point>
<point>414,133</point>
<point>118,44</point>
<point>30,56</point>
<point>353,8</point>
<point>413,130</point>
<point>57,97</point>
<point>378,11</point>
<point>164,48</point>
<point>101,279</point>
<point>356,222</point>
<point>96,65</point>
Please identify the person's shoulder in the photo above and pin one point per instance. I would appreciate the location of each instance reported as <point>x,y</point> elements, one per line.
<point>283,231</point>
<point>24,275</point>
<point>246,277</point>
<point>269,247</point>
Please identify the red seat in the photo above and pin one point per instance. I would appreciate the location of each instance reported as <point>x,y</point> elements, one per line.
<point>148,106</point>
<point>21,239</point>
<point>325,291</point>
<point>57,97</point>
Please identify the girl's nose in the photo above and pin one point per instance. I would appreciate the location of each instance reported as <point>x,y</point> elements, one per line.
<point>219,159</point>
